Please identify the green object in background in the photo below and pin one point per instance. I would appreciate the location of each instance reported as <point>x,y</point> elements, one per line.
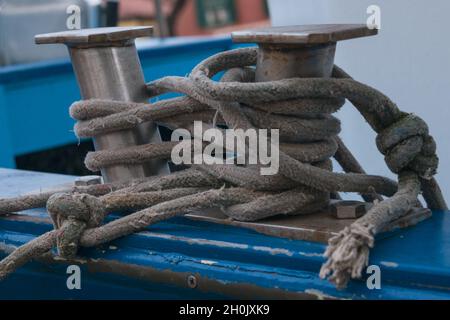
<point>215,13</point>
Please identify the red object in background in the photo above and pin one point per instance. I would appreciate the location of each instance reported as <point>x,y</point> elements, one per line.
<point>142,9</point>
<point>249,13</point>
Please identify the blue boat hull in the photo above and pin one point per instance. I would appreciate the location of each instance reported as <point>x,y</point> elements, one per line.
<point>185,259</point>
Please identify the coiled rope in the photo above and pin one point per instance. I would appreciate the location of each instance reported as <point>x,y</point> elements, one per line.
<point>300,108</point>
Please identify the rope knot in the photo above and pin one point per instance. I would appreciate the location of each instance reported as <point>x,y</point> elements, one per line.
<point>406,144</point>
<point>71,215</point>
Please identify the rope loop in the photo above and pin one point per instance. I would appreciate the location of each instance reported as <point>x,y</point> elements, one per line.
<point>407,144</point>
<point>300,108</point>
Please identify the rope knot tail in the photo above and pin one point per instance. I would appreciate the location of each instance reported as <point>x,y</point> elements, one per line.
<point>71,215</point>
<point>348,254</point>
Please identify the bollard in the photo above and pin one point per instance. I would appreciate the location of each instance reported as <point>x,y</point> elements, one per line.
<point>298,51</point>
<point>107,66</point>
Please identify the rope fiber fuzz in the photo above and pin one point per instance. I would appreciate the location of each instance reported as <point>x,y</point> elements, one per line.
<point>300,108</point>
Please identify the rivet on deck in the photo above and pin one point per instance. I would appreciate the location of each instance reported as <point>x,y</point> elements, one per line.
<point>192,281</point>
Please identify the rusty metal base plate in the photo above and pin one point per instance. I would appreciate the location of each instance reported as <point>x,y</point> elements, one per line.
<point>318,226</point>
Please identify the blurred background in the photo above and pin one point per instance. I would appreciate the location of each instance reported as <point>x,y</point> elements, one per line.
<point>20,20</point>
<point>408,61</point>
<point>37,83</point>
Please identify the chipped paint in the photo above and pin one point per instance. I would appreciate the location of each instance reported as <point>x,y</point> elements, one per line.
<point>7,248</point>
<point>313,254</point>
<point>208,262</point>
<point>197,241</point>
<point>319,294</point>
<point>274,251</point>
<point>389,264</point>
<point>112,247</point>
<point>240,290</point>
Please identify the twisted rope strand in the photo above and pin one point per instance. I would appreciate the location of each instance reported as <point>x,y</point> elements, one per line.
<point>300,108</point>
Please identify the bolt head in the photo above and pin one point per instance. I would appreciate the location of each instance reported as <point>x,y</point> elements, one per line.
<point>192,281</point>
<point>349,209</point>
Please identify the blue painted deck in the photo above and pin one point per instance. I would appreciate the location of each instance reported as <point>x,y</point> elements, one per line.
<point>34,98</point>
<point>227,261</point>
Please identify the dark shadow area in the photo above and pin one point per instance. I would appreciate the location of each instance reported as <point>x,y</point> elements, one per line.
<point>68,159</point>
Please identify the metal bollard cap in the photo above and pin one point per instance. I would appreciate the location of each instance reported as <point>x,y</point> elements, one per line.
<point>304,34</point>
<point>95,37</point>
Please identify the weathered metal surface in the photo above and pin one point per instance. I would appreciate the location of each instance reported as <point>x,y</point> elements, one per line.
<point>107,66</point>
<point>95,37</point>
<point>298,51</point>
<point>276,62</point>
<point>317,227</point>
<point>306,34</point>
<point>225,261</point>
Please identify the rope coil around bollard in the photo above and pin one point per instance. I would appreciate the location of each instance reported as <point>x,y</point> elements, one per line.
<point>300,108</point>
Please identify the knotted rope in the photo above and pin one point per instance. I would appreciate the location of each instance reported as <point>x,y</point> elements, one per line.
<point>300,108</point>
<point>71,215</point>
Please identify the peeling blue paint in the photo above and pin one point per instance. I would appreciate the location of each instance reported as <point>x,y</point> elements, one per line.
<point>411,268</point>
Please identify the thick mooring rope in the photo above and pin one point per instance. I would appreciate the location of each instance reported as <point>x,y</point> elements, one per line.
<point>300,108</point>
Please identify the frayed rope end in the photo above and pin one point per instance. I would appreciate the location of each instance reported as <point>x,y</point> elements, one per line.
<point>348,255</point>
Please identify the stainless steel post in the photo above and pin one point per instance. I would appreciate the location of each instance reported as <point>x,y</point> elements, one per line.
<point>298,51</point>
<point>107,66</point>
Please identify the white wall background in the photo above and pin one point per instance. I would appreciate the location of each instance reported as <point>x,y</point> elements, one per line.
<point>409,61</point>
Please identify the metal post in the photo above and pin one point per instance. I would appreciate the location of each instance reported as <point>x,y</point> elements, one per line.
<point>287,52</point>
<point>298,51</point>
<point>107,66</point>
<point>283,61</point>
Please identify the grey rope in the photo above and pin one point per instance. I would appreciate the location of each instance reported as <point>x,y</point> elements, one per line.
<point>300,108</point>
